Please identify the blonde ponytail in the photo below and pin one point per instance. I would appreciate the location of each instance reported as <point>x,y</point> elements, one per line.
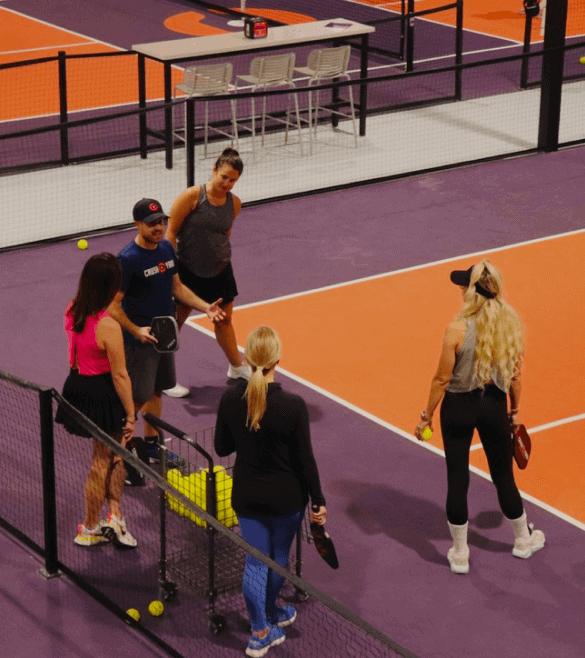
<point>262,353</point>
<point>499,340</point>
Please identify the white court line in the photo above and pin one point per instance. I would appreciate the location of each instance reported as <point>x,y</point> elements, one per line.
<point>557,423</point>
<point>438,58</point>
<point>413,268</point>
<point>34,50</point>
<point>435,22</point>
<point>397,430</point>
<point>546,426</point>
<point>63,29</point>
<point>90,42</point>
<point>379,421</point>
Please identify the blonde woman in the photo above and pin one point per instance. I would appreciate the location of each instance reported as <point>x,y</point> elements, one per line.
<point>479,369</point>
<point>275,474</point>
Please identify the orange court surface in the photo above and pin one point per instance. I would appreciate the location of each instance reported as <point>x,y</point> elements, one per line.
<point>374,344</point>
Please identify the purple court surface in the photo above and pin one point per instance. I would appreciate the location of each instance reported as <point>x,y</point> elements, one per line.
<point>385,494</point>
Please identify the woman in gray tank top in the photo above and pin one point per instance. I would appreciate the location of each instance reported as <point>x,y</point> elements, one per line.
<point>200,226</point>
<point>479,369</point>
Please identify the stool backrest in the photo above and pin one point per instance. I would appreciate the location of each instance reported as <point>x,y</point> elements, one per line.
<point>273,69</point>
<point>329,62</point>
<point>207,80</point>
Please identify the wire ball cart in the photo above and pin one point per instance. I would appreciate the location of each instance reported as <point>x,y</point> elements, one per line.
<point>203,561</point>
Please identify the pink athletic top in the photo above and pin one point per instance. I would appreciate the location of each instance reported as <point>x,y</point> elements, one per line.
<point>90,358</point>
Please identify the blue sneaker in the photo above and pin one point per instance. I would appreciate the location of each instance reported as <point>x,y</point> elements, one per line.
<point>258,647</point>
<point>283,616</point>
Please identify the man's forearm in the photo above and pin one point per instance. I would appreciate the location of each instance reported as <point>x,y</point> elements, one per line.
<point>189,298</point>
<point>117,312</point>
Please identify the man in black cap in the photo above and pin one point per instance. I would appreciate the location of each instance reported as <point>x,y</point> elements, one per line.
<point>149,283</point>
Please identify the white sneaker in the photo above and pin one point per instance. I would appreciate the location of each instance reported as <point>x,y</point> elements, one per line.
<point>524,547</point>
<point>459,562</point>
<point>87,537</point>
<point>115,530</point>
<point>240,372</point>
<point>177,391</point>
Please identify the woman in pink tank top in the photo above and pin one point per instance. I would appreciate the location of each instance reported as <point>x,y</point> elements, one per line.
<point>99,387</point>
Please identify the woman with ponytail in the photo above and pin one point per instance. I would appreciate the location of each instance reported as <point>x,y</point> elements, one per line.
<point>200,228</point>
<point>275,474</point>
<point>479,370</point>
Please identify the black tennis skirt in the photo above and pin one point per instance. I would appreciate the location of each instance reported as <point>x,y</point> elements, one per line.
<point>211,289</point>
<point>96,398</point>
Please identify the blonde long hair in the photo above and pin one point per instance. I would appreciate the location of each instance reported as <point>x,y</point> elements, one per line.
<point>499,340</point>
<point>263,351</point>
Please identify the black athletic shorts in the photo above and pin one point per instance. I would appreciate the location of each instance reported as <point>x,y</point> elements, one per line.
<point>211,289</point>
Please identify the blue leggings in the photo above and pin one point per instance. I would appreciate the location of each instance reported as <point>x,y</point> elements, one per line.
<point>273,535</point>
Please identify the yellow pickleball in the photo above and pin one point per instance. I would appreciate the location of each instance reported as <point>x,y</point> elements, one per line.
<point>427,433</point>
<point>132,612</point>
<point>82,244</point>
<point>156,608</point>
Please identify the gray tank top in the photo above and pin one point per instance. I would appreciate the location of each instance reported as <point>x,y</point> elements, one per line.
<point>203,245</point>
<point>463,379</point>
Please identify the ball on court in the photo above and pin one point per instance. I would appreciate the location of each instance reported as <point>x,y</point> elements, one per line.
<point>582,60</point>
<point>156,608</point>
<point>427,433</point>
<point>82,244</point>
<point>132,612</point>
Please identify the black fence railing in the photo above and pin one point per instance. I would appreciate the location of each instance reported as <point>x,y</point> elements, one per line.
<point>44,472</point>
<point>69,135</point>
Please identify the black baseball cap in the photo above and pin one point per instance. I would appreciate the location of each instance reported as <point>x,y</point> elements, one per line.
<point>463,278</point>
<point>148,211</point>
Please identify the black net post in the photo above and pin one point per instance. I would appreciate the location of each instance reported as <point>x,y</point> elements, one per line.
<point>48,474</point>
<point>402,29</point>
<point>142,104</point>
<point>552,75</point>
<point>526,50</point>
<point>458,49</point>
<point>169,141</point>
<point>62,61</point>
<point>190,140</point>
<point>410,37</point>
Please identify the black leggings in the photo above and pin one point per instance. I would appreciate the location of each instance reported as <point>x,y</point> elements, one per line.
<point>486,411</point>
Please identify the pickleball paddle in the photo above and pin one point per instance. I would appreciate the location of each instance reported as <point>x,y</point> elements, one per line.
<point>522,446</point>
<point>323,542</point>
<point>165,329</point>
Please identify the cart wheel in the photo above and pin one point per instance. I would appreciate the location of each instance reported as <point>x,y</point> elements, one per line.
<point>301,595</point>
<point>217,623</point>
<point>168,590</point>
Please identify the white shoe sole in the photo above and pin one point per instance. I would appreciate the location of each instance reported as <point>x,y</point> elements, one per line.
<point>177,391</point>
<point>112,535</point>
<point>94,541</point>
<point>529,552</point>
<point>258,653</point>
<point>288,622</point>
<point>458,568</point>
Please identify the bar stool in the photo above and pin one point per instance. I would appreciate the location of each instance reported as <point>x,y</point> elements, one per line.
<point>266,72</point>
<point>328,64</point>
<point>209,80</point>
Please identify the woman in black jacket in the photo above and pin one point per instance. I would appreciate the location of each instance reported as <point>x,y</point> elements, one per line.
<point>275,474</point>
